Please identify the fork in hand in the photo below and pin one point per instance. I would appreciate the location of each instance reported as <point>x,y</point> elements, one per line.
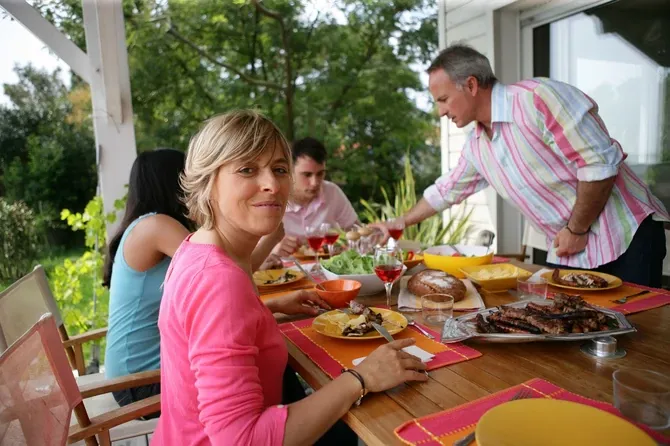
<point>520,395</point>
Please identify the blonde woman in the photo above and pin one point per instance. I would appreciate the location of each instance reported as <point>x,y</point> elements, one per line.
<point>223,355</point>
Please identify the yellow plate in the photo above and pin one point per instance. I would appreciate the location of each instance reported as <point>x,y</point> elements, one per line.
<point>260,277</point>
<point>496,277</point>
<point>613,281</point>
<point>332,323</point>
<point>418,258</point>
<point>547,422</point>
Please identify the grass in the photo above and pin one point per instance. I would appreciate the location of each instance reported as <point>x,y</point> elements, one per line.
<point>51,259</point>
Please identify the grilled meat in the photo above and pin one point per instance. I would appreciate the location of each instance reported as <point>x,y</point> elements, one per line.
<point>516,323</point>
<point>579,280</point>
<point>567,314</point>
<point>503,327</point>
<point>356,307</point>
<point>483,326</point>
<point>537,320</point>
<point>366,316</point>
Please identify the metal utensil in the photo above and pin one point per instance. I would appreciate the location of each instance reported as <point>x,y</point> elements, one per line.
<point>382,331</point>
<point>520,395</point>
<point>623,300</point>
<point>418,327</point>
<point>309,276</point>
<point>455,249</point>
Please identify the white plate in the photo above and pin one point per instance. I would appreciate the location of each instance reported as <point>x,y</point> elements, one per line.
<point>370,283</point>
<point>472,301</point>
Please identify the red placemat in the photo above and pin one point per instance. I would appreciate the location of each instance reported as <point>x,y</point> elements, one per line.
<point>443,428</point>
<point>332,354</point>
<point>497,259</point>
<point>655,298</point>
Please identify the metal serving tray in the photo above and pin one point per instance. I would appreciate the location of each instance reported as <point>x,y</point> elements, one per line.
<point>463,328</point>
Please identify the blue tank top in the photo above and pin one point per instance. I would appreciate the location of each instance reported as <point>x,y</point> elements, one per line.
<point>133,340</point>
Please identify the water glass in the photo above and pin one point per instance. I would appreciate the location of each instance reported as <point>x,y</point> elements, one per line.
<point>531,288</point>
<point>643,396</point>
<point>437,308</point>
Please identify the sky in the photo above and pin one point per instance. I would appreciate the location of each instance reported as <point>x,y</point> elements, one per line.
<point>25,48</point>
<point>20,46</point>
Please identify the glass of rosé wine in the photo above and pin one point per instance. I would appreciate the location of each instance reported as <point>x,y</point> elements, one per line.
<point>388,267</point>
<point>332,233</point>
<point>316,237</point>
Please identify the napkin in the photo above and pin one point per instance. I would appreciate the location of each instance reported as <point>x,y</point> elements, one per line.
<point>420,353</point>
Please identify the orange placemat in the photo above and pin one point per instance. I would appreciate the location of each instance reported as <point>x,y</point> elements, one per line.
<point>655,298</point>
<point>331,354</point>
<point>443,428</point>
<point>272,292</point>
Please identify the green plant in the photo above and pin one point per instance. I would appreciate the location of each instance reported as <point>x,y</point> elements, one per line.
<point>19,240</point>
<point>81,311</point>
<point>432,231</point>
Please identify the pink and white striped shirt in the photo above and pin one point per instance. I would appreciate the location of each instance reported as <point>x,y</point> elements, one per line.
<point>548,136</point>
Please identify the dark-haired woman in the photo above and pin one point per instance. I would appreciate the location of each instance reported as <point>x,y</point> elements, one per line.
<point>153,227</point>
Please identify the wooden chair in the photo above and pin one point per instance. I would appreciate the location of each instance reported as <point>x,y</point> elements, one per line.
<point>39,394</point>
<point>21,306</point>
<point>26,299</point>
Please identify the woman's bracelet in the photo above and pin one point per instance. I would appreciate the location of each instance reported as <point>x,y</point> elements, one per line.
<point>364,390</point>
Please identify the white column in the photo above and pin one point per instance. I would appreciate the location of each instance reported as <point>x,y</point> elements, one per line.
<point>110,94</point>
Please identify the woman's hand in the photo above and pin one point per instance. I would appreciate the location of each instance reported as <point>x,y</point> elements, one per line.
<point>298,302</point>
<point>271,262</point>
<point>389,365</point>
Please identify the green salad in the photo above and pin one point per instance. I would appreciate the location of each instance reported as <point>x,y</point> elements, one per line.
<point>349,262</point>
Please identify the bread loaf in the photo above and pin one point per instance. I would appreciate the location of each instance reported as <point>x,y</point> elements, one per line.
<point>431,281</point>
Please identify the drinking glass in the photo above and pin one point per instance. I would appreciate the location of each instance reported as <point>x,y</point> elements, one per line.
<point>395,228</point>
<point>643,396</point>
<point>531,288</point>
<point>388,267</point>
<point>315,238</point>
<point>437,308</point>
<point>331,231</point>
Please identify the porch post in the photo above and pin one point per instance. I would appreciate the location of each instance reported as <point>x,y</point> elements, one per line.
<point>110,94</point>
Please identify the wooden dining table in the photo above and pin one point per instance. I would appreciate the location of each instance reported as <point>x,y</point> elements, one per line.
<point>500,366</point>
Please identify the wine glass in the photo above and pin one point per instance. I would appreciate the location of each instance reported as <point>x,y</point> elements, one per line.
<point>331,235</point>
<point>316,236</point>
<point>395,227</point>
<point>388,267</point>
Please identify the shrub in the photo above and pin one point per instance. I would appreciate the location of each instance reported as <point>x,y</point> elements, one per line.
<point>430,232</point>
<point>19,240</point>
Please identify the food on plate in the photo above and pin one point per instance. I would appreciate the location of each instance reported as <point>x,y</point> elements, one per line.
<point>494,273</point>
<point>579,280</point>
<point>566,314</point>
<point>407,255</point>
<point>431,281</point>
<point>288,276</point>
<point>349,262</point>
<point>360,325</point>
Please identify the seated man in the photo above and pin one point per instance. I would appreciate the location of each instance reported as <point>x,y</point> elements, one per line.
<point>313,200</point>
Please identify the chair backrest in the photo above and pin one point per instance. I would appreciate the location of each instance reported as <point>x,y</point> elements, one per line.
<point>23,303</point>
<point>37,389</point>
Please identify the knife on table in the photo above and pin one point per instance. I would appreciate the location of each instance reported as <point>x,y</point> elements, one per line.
<point>382,331</point>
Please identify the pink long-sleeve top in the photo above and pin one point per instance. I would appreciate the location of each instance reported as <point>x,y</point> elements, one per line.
<point>222,355</point>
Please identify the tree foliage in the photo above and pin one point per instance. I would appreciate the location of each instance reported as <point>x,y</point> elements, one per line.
<point>47,155</point>
<point>340,70</point>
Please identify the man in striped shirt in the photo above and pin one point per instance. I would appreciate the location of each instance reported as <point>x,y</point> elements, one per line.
<point>543,147</point>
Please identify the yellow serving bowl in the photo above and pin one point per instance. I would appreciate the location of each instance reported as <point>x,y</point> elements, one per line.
<point>443,258</point>
<point>496,278</point>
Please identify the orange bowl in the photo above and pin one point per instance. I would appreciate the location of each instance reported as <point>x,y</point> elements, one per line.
<point>339,292</point>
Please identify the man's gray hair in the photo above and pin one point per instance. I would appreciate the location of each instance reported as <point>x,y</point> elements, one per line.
<point>461,61</point>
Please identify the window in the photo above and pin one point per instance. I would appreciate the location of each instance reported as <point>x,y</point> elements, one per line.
<point>619,54</point>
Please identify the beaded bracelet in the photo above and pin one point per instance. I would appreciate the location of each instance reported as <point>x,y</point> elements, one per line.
<point>364,390</point>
